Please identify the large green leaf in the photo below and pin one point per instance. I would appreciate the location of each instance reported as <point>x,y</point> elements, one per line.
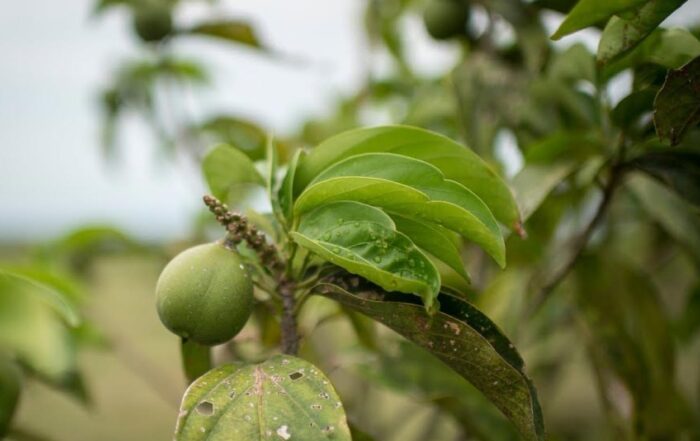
<point>623,34</point>
<point>436,240</point>
<point>455,161</point>
<point>364,241</point>
<point>443,201</point>
<point>10,387</point>
<point>677,169</point>
<point>284,398</point>
<point>677,106</point>
<point>224,167</point>
<point>589,12</point>
<point>462,337</point>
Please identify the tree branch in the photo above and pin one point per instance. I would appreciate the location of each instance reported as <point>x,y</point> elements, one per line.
<point>580,242</point>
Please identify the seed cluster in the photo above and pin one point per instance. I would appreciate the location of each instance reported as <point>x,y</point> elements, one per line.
<point>239,229</point>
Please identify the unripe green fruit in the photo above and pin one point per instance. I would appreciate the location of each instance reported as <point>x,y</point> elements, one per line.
<point>205,294</point>
<point>445,19</point>
<point>152,22</point>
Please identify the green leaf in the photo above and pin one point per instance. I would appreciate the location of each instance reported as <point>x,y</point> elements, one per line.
<point>670,48</point>
<point>632,107</point>
<point>462,337</point>
<point>455,161</point>
<point>57,300</point>
<point>677,105</point>
<point>286,192</point>
<point>623,34</point>
<point>535,181</point>
<point>234,31</point>
<point>589,12</point>
<point>679,170</point>
<point>10,388</point>
<point>436,240</point>
<point>224,167</point>
<point>670,211</point>
<point>32,327</point>
<point>363,240</point>
<point>245,135</point>
<point>283,398</point>
<point>410,187</point>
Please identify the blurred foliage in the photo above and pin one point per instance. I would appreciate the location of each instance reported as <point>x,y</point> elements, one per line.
<point>602,293</point>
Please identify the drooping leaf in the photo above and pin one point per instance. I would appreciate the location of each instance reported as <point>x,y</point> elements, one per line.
<point>282,398</point>
<point>589,12</point>
<point>426,194</point>
<point>677,169</point>
<point>462,337</point>
<point>234,31</point>
<point>623,34</point>
<point>670,211</point>
<point>363,240</point>
<point>436,240</point>
<point>677,106</point>
<point>225,167</point>
<point>455,161</point>
<point>535,181</point>
<point>57,300</point>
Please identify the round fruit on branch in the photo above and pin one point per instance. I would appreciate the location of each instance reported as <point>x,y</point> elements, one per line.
<point>205,294</point>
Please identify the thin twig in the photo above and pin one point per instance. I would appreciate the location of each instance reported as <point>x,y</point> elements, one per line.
<point>290,334</point>
<point>580,242</point>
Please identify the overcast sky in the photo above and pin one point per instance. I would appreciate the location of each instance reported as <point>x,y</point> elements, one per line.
<point>53,59</point>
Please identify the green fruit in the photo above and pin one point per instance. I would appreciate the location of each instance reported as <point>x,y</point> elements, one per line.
<point>445,19</point>
<point>152,22</point>
<point>205,294</point>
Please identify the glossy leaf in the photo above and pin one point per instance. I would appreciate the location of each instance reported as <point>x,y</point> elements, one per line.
<point>364,241</point>
<point>234,31</point>
<point>425,194</point>
<point>283,398</point>
<point>436,240</point>
<point>535,181</point>
<point>589,12</point>
<point>462,337</point>
<point>233,130</point>
<point>455,161</point>
<point>679,170</point>
<point>623,34</point>
<point>677,106</point>
<point>224,167</point>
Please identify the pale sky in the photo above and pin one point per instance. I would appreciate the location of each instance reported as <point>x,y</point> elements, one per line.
<point>53,59</point>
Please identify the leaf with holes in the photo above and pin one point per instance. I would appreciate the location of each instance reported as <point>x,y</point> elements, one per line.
<point>363,240</point>
<point>677,106</point>
<point>462,337</point>
<point>282,398</point>
<point>224,167</point>
<point>410,187</point>
<point>455,161</point>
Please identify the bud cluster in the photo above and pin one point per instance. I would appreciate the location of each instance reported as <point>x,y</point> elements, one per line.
<point>239,229</point>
